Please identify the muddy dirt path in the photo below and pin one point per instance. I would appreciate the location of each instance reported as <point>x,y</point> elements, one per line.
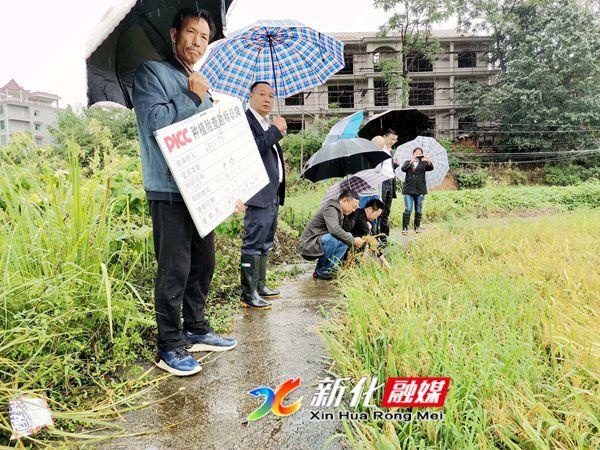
<point>210,409</point>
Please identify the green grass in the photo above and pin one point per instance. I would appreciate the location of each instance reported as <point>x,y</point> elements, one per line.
<point>508,308</point>
<point>451,205</point>
<point>73,300</point>
<point>77,272</point>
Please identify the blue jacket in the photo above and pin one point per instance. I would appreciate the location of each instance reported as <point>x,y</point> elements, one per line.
<point>265,140</point>
<point>161,98</point>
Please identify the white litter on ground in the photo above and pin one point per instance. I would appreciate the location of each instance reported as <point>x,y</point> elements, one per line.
<point>28,415</point>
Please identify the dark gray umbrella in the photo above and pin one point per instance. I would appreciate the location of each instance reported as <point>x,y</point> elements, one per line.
<point>344,157</point>
<point>408,123</point>
<point>134,32</point>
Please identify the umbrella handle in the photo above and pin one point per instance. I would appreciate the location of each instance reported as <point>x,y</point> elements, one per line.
<point>272,50</point>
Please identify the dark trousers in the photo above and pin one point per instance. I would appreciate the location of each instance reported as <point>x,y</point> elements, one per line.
<point>260,225</point>
<point>387,195</point>
<point>186,264</point>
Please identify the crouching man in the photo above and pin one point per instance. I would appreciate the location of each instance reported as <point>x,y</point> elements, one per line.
<point>324,238</point>
<point>360,224</point>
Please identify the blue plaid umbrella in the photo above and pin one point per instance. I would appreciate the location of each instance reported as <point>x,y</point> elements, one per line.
<point>289,55</point>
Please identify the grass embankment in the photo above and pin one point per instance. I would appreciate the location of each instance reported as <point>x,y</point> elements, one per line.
<point>508,308</point>
<point>449,205</point>
<point>74,303</point>
<point>76,308</point>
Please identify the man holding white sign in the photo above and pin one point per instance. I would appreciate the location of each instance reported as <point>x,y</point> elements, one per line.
<point>164,93</point>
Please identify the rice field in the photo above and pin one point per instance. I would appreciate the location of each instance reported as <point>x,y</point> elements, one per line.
<point>508,308</point>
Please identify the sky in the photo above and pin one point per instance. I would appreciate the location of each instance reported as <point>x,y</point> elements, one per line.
<point>42,44</point>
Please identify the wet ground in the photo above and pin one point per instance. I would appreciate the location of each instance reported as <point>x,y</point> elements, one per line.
<point>210,409</point>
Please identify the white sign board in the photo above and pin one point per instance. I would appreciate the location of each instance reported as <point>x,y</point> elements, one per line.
<point>214,160</point>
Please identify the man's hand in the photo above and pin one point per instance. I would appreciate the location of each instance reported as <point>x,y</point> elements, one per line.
<point>359,242</point>
<point>198,84</point>
<point>280,123</point>
<point>240,208</point>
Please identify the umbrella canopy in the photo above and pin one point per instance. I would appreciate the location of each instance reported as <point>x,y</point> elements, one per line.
<point>346,128</point>
<point>134,32</point>
<point>287,54</point>
<point>408,123</point>
<point>436,151</point>
<point>360,182</point>
<point>342,158</point>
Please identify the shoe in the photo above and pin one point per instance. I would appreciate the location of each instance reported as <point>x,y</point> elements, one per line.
<point>418,230</point>
<point>405,220</point>
<point>318,276</point>
<point>209,342</point>
<point>177,361</point>
<point>249,282</point>
<point>261,287</point>
<point>256,303</point>
<point>418,217</point>
<point>404,231</point>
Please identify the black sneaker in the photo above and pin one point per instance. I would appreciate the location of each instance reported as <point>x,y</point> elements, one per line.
<point>318,276</point>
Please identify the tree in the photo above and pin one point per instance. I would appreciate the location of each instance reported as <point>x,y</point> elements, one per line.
<point>411,21</point>
<point>592,5</point>
<point>96,131</point>
<point>546,95</point>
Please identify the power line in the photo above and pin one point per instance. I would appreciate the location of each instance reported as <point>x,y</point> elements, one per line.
<point>558,152</point>
<point>492,148</point>
<point>556,158</point>
<point>496,132</point>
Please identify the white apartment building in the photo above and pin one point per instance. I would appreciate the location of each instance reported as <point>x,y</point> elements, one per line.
<point>26,111</point>
<point>360,84</point>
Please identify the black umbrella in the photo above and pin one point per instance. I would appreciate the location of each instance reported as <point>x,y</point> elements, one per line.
<point>408,123</point>
<point>343,157</point>
<point>134,32</point>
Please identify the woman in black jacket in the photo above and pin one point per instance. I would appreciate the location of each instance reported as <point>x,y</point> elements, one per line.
<point>415,187</point>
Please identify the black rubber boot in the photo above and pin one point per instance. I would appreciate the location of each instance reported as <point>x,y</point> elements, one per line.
<point>249,282</point>
<point>418,217</point>
<point>405,220</point>
<point>262,288</point>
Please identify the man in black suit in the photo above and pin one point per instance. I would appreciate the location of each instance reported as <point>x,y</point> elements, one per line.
<point>260,221</point>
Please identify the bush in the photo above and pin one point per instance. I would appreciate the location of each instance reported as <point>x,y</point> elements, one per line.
<point>292,147</point>
<point>590,173</point>
<point>312,140</point>
<point>470,179</point>
<point>562,175</point>
<point>516,176</point>
<point>96,131</point>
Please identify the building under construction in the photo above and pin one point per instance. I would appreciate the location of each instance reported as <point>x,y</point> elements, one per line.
<point>361,85</point>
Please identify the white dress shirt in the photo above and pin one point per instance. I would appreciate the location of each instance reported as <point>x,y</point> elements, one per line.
<point>265,123</point>
<point>387,166</point>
